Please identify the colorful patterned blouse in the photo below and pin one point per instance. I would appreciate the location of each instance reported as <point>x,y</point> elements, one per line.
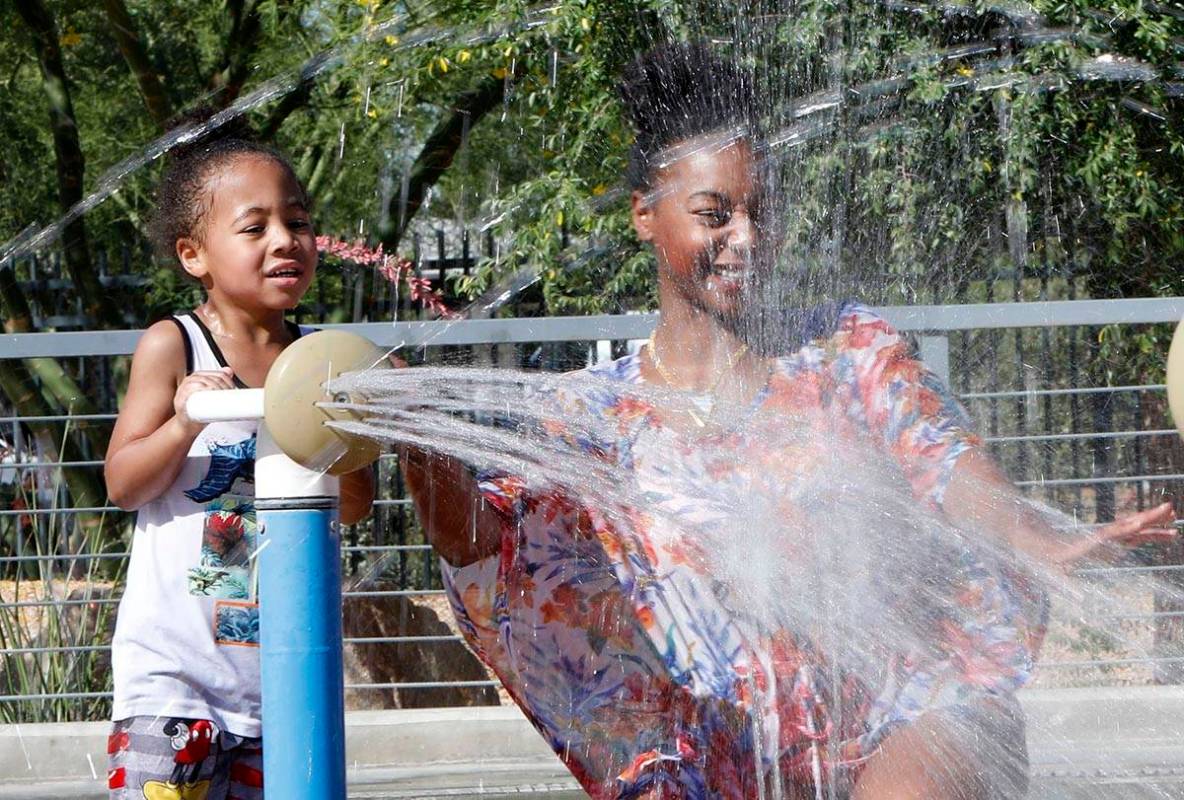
<point>653,676</point>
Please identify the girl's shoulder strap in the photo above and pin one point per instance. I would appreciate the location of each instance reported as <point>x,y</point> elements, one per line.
<point>186,339</point>
<point>207,355</point>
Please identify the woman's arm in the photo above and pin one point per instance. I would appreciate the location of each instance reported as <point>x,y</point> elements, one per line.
<point>459,524</point>
<point>979,496</point>
<point>153,433</point>
<point>357,495</point>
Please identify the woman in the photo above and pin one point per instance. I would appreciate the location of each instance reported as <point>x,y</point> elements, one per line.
<point>615,629</point>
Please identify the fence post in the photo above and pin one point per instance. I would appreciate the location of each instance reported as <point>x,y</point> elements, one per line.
<point>935,352</point>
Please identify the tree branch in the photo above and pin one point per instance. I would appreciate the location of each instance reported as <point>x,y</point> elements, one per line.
<point>228,80</point>
<point>128,39</point>
<point>438,153</point>
<point>71,166</point>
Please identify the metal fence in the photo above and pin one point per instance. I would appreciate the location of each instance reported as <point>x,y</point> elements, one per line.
<point>1034,376</point>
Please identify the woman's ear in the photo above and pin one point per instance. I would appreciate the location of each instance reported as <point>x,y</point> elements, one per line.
<point>189,253</point>
<point>643,216</point>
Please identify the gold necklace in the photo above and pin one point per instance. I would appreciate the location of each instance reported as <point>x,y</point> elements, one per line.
<point>733,360</point>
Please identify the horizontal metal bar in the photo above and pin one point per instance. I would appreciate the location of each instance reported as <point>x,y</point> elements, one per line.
<point>1143,387</point>
<point>417,685</point>
<point>402,639</point>
<point>94,648</point>
<point>638,326</point>
<point>59,418</point>
<point>73,557</point>
<point>32,464</point>
<point>125,554</point>
<point>1107,662</point>
<point>1058,437</point>
<point>17,512</point>
<point>1089,481</point>
<point>18,698</point>
<point>50,602</point>
<point>1044,314</point>
<point>81,648</point>
<point>395,593</point>
<point>1128,570</point>
<point>21,698</point>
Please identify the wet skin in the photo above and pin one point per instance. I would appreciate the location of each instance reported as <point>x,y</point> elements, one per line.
<point>701,215</point>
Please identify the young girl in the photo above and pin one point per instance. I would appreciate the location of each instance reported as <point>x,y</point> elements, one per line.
<point>185,651</point>
<point>656,667</point>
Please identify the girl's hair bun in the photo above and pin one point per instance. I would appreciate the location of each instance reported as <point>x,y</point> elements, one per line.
<point>678,91</point>
<point>235,128</point>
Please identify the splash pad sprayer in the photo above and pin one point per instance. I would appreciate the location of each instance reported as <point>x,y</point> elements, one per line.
<point>298,459</point>
<point>1175,377</point>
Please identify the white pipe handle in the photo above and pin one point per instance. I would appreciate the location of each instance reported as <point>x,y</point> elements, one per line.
<point>225,405</point>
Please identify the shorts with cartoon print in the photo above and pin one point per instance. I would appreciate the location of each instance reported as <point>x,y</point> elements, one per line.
<point>162,758</point>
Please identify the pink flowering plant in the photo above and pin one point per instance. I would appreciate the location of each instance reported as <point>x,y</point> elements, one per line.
<point>394,268</point>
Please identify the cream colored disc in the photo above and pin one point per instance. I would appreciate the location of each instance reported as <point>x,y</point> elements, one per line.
<point>294,386</point>
<point>1175,378</point>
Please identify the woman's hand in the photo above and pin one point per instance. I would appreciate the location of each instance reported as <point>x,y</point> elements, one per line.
<point>1110,542</point>
<point>981,497</point>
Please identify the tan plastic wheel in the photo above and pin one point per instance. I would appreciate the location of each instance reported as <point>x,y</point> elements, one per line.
<point>294,386</point>
<point>1176,377</point>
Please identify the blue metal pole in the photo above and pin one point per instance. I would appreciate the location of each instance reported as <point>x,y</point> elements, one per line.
<point>299,564</point>
<point>300,635</point>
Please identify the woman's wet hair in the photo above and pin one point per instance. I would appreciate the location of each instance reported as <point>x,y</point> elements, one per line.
<point>184,198</point>
<point>677,92</point>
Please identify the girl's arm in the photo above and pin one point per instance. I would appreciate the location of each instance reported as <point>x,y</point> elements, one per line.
<point>460,526</point>
<point>153,434</point>
<point>979,496</point>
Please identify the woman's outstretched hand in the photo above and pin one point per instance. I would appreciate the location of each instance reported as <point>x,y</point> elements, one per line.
<point>985,499</point>
<point>1110,542</point>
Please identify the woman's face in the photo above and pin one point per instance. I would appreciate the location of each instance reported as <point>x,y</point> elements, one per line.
<point>701,215</point>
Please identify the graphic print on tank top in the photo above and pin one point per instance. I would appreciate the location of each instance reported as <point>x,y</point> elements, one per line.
<point>225,570</point>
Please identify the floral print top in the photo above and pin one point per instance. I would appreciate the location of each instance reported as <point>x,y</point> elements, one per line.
<point>651,666</point>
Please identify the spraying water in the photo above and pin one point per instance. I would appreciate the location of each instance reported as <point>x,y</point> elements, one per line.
<point>824,542</point>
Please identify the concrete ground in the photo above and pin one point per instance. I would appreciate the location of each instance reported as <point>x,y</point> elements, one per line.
<point>1086,744</point>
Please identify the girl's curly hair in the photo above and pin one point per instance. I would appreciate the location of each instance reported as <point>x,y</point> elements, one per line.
<point>183,199</point>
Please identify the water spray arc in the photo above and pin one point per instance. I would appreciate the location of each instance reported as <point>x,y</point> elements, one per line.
<point>299,559</point>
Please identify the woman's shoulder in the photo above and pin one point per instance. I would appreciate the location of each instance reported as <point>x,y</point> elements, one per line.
<point>850,333</point>
<point>626,369</point>
<point>860,328</point>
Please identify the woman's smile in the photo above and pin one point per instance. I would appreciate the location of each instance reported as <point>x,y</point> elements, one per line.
<point>701,222</point>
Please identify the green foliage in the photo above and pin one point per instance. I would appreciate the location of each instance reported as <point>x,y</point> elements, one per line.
<point>940,165</point>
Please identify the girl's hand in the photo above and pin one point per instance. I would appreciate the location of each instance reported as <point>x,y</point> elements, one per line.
<point>199,382</point>
<point>1110,542</point>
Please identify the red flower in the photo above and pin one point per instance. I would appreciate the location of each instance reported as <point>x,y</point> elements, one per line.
<point>395,269</point>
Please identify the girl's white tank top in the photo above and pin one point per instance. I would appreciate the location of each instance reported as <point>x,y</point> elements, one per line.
<point>186,639</point>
